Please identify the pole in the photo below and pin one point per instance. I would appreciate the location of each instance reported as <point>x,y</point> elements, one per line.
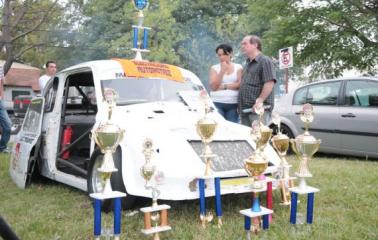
<point>286,80</point>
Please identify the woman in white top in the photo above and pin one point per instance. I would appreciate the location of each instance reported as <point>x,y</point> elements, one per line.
<point>225,80</point>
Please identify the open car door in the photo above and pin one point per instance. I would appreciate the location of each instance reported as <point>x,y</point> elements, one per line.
<point>23,156</point>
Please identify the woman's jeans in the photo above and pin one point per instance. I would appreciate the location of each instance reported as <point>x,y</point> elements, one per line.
<point>6,125</point>
<point>228,111</point>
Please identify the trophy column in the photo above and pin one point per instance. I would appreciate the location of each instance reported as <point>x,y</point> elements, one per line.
<point>304,146</point>
<point>156,216</point>
<point>206,128</point>
<point>107,137</point>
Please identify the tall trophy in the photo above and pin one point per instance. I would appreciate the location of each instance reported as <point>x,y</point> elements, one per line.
<point>305,145</point>
<point>108,136</point>
<point>281,144</point>
<point>206,128</point>
<point>140,5</point>
<point>156,216</point>
<point>255,165</point>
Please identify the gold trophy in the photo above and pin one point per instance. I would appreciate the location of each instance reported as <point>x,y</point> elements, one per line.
<point>205,128</point>
<point>256,164</point>
<point>305,145</point>
<point>156,216</point>
<point>108,136</point>
<point>281,144</point>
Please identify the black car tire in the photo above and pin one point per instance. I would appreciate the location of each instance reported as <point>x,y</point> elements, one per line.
<point>116,179</point>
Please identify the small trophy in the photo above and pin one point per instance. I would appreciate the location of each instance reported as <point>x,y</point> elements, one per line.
<point>108,136</point>
<point>305,145</point>
<point>156,216</point>
<point>206,128</point>
<point>281,143</point>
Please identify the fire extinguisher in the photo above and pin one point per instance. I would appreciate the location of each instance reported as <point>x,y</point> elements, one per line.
<point>67,134</point>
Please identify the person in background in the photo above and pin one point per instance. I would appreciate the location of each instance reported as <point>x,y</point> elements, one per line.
<point>257,82</point>
<point>50,72</point>
<point>224,83</point>
<point>5,122</point>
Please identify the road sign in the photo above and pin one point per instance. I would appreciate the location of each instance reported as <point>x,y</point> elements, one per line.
<point>285,57</point>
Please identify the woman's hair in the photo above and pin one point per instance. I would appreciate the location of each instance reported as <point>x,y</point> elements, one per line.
<point>227,49</point>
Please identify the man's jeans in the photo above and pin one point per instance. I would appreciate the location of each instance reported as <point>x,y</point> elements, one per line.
<point>6,125</point>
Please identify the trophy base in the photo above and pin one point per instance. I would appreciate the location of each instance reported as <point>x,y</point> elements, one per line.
<point>305,190</point>
<point>157,229</point>
<point>108,195</point>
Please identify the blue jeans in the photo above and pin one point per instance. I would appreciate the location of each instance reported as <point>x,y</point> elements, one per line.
<point>6,125</point>
<point>228,111</point>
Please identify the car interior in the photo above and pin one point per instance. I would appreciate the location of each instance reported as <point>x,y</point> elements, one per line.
<point>79,110</point>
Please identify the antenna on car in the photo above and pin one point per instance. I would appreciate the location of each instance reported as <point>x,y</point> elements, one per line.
<point>137,46</point>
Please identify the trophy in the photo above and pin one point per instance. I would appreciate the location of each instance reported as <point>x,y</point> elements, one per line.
<point>137,47</point>
<point>255,165</point>
<point>281,144</point>
<point>305,145</point>
<point>108,136</point>
<point>156,216</point>
<point>205,128</point>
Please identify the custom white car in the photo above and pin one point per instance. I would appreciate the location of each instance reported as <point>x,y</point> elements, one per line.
<point>156,101</point>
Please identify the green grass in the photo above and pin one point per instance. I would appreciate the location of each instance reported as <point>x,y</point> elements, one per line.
<point>345,208</point>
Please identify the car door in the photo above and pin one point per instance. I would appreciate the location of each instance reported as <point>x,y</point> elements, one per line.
<point>358,118</point>
<point>324,98</point>
<point>25,141</point>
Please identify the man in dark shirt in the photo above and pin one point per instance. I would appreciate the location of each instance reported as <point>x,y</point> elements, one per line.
<point>257,83</point>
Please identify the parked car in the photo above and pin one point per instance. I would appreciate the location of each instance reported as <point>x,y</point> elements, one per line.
<point>346,114</point>
<point>156,101</point>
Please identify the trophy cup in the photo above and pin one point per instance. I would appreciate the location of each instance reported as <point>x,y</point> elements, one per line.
<point>281,144</point>
<point>156,216</point>
<point>255,165</point>
<point>108,136</point>
<point>305,145</point>
<point>206,128</point>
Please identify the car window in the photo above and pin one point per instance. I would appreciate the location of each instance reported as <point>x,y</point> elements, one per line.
<point>323,94</point>
<point>300,96</point>
<point>361,93</point>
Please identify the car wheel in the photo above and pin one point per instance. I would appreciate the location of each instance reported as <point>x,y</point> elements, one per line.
<point>286,130</point>
<point>95,181</point>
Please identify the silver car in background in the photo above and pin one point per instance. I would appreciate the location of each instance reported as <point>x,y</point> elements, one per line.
<point>346,114</point>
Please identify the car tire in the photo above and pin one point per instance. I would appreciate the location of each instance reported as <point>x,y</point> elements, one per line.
<point>94,183</point>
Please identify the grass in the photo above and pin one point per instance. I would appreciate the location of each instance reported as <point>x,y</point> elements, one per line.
<point>345,208</point>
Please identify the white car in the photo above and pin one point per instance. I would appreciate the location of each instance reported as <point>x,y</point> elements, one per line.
<point>156,101</point>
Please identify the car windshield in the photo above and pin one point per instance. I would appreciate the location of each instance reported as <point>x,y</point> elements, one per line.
<point>139,90</point>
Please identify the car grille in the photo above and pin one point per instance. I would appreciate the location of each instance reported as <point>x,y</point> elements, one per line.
<point>230,154</point>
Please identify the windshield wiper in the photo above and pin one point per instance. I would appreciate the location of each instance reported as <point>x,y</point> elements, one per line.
<point>131,101</point>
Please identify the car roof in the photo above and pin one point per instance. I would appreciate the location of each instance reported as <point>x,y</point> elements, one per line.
<point>340,79</point>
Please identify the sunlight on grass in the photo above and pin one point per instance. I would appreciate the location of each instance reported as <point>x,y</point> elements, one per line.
<point>345,208</point>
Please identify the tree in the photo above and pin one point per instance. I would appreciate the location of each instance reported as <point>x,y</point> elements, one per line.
<point>19,20</point>
<point>330,36</point>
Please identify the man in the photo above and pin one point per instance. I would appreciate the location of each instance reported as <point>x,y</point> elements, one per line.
<point>257,83</point>
<point>50,72</point>
<point>5,122</point>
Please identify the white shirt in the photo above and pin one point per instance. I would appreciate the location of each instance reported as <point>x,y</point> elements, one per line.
<point>42,82</point>
<point>228,95</point>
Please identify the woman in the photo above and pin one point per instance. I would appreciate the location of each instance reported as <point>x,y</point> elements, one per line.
<point>225,80</point>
